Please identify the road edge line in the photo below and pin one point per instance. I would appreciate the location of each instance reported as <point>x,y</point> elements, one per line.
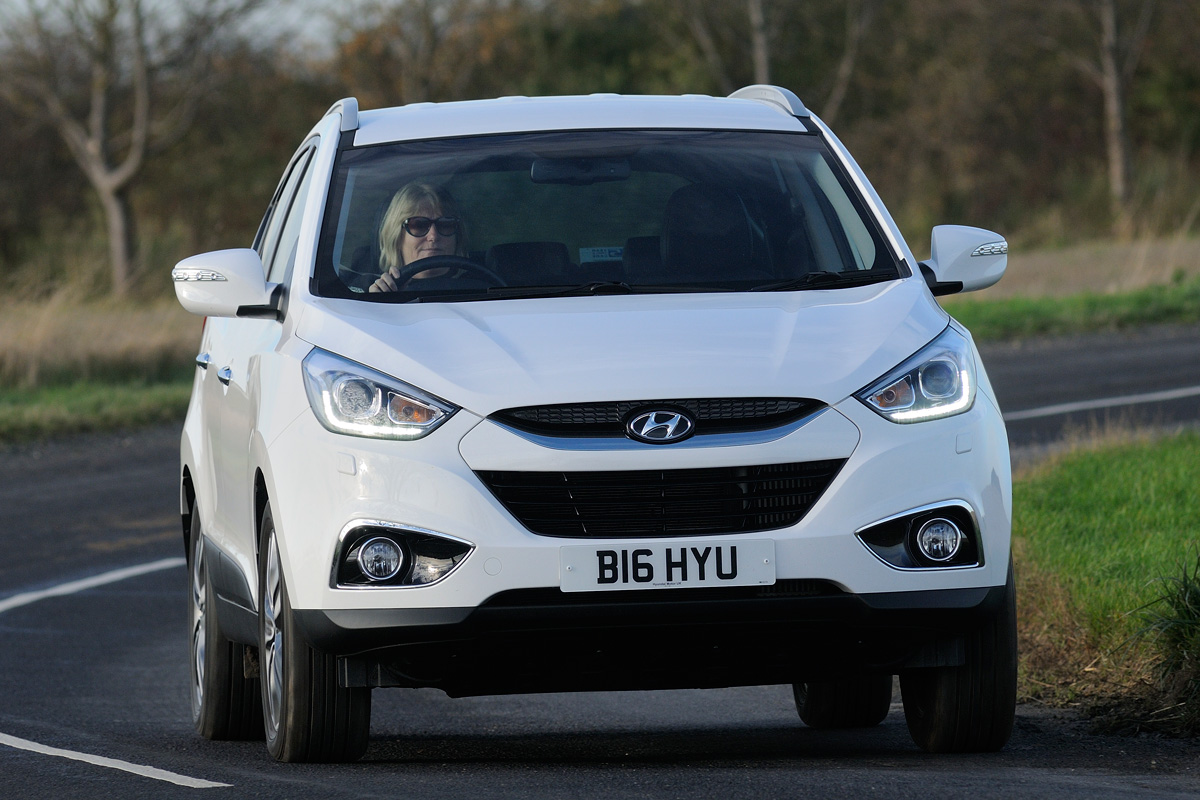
<point>1100,404</point>
<point>72,587</point>
<point>112,763</point>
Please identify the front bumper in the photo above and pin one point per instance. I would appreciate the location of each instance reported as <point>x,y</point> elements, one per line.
<point>319,482</point>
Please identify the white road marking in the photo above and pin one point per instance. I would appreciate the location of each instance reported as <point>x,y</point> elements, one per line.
<point>1109,402</point>
<point>24,599</point>
<point>112,763</point>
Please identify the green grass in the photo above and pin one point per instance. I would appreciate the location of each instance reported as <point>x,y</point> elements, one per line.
<point>1108,524</point>
<point>90,406</point>
<point>1023,317</point>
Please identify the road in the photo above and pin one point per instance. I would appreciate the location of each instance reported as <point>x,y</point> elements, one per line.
<point>1058,389</point>
<point>93,684</point>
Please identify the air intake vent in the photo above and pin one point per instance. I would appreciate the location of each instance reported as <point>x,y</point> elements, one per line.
<point>645,503</point>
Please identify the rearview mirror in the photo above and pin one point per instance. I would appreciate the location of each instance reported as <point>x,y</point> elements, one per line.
<point>579,171</point>
<point>964,259</point>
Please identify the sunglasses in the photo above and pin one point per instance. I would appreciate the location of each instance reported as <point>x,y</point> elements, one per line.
<point>419,226</point>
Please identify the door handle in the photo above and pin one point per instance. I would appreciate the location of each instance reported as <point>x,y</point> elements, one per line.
<point>202,360</point>
<point>225,375</point>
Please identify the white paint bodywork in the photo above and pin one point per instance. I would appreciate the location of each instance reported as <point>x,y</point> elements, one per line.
<point>482,357</point>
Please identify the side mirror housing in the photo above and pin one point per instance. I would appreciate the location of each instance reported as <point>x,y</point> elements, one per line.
<point>964,259</point>
<point>226,283</point>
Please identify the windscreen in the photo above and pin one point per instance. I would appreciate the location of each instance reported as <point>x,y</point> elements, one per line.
<point>594,212</point>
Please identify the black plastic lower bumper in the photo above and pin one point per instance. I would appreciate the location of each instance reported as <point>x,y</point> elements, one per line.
<point>547,641</point>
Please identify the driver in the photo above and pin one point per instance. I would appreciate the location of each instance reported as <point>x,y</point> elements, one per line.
<point>421,221</point>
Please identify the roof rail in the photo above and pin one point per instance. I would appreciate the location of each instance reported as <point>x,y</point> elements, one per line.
<point>784,98</point>
<point>348,108</point>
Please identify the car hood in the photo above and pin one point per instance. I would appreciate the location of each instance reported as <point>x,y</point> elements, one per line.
<point>489,355</point>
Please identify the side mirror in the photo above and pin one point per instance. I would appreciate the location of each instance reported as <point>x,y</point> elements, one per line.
<point>226,283</point>
<point>964,259</point>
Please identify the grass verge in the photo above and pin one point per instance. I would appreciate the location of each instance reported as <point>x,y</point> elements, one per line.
<point>90,406</point>
<point>70,365</point>
<point>1098,534</point>
<point>1024,317</point>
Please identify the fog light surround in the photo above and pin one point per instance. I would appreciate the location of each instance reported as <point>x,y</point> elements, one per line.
<point>938,536</point>
<point>373,554</point>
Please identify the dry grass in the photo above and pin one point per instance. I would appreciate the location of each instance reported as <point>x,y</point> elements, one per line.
<point>61,340</point>
<point>1097,267</point>
<point>1063,663</point>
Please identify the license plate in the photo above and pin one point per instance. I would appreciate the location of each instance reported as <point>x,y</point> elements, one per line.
<point>667,565</point>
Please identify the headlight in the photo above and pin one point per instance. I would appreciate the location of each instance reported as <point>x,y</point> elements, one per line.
<point>939,381</point>
<point>352,399</point>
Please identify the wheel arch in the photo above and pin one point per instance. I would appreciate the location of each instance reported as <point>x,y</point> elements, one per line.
<point>261,498</point>
<point>187,506</point>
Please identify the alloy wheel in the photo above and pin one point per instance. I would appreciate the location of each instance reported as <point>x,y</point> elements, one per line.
<point>272,666</point>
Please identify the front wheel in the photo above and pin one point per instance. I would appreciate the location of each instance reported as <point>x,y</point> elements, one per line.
<point>857,702</point>
<point>225,703</point>
<point>968,709</point>
<point>307,715</point>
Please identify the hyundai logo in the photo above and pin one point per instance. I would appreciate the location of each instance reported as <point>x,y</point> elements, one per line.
<point>660,427</point>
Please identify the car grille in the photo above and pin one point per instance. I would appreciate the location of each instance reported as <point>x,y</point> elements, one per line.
<point>715,415</point>
<point>644,503</point>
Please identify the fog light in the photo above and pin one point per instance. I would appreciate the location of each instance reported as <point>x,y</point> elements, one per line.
<point>380,559</point>
<point>939,539</point>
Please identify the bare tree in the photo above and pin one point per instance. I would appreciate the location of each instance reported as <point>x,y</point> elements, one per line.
<point>724,54</point>
<point>701,30</point>
<point>859,14</point>
<point>411,51</point>
<point>760,46</point>
<point>1118,34</point>
<point>119,81</point>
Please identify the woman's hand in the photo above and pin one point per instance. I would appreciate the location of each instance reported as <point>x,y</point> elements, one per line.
<point>386,282</point>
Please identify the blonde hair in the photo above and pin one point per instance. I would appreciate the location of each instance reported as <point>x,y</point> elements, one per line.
<point>407,202</point>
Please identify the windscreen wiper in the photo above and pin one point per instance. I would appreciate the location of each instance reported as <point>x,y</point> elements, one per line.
<point>824,280</point>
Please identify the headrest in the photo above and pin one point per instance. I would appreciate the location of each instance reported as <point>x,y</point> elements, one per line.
<point>706,233</point>
<point>642,260</point>
<point>529,263</point>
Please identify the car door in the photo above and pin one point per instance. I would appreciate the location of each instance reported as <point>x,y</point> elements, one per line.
<point>235,346</point>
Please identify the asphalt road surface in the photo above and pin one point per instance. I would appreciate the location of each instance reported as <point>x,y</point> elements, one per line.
<point>93,656</point>
<point>1059,389</point>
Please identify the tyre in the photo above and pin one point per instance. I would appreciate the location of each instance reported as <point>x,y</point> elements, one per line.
<point>858,702</point>
<point>968,709</point>
<point>225,703</point>
<point>307,716</point>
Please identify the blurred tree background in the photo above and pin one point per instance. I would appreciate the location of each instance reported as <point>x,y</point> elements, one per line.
<point>1053,121</point>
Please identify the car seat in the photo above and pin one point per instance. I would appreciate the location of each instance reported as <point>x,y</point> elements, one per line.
<point>530,263</point>
<point>706,235</point>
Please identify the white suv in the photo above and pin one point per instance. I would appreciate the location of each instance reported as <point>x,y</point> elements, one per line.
<point>591,393</point>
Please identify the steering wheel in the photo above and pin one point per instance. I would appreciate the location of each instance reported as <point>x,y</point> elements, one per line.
<point>447,262</point>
